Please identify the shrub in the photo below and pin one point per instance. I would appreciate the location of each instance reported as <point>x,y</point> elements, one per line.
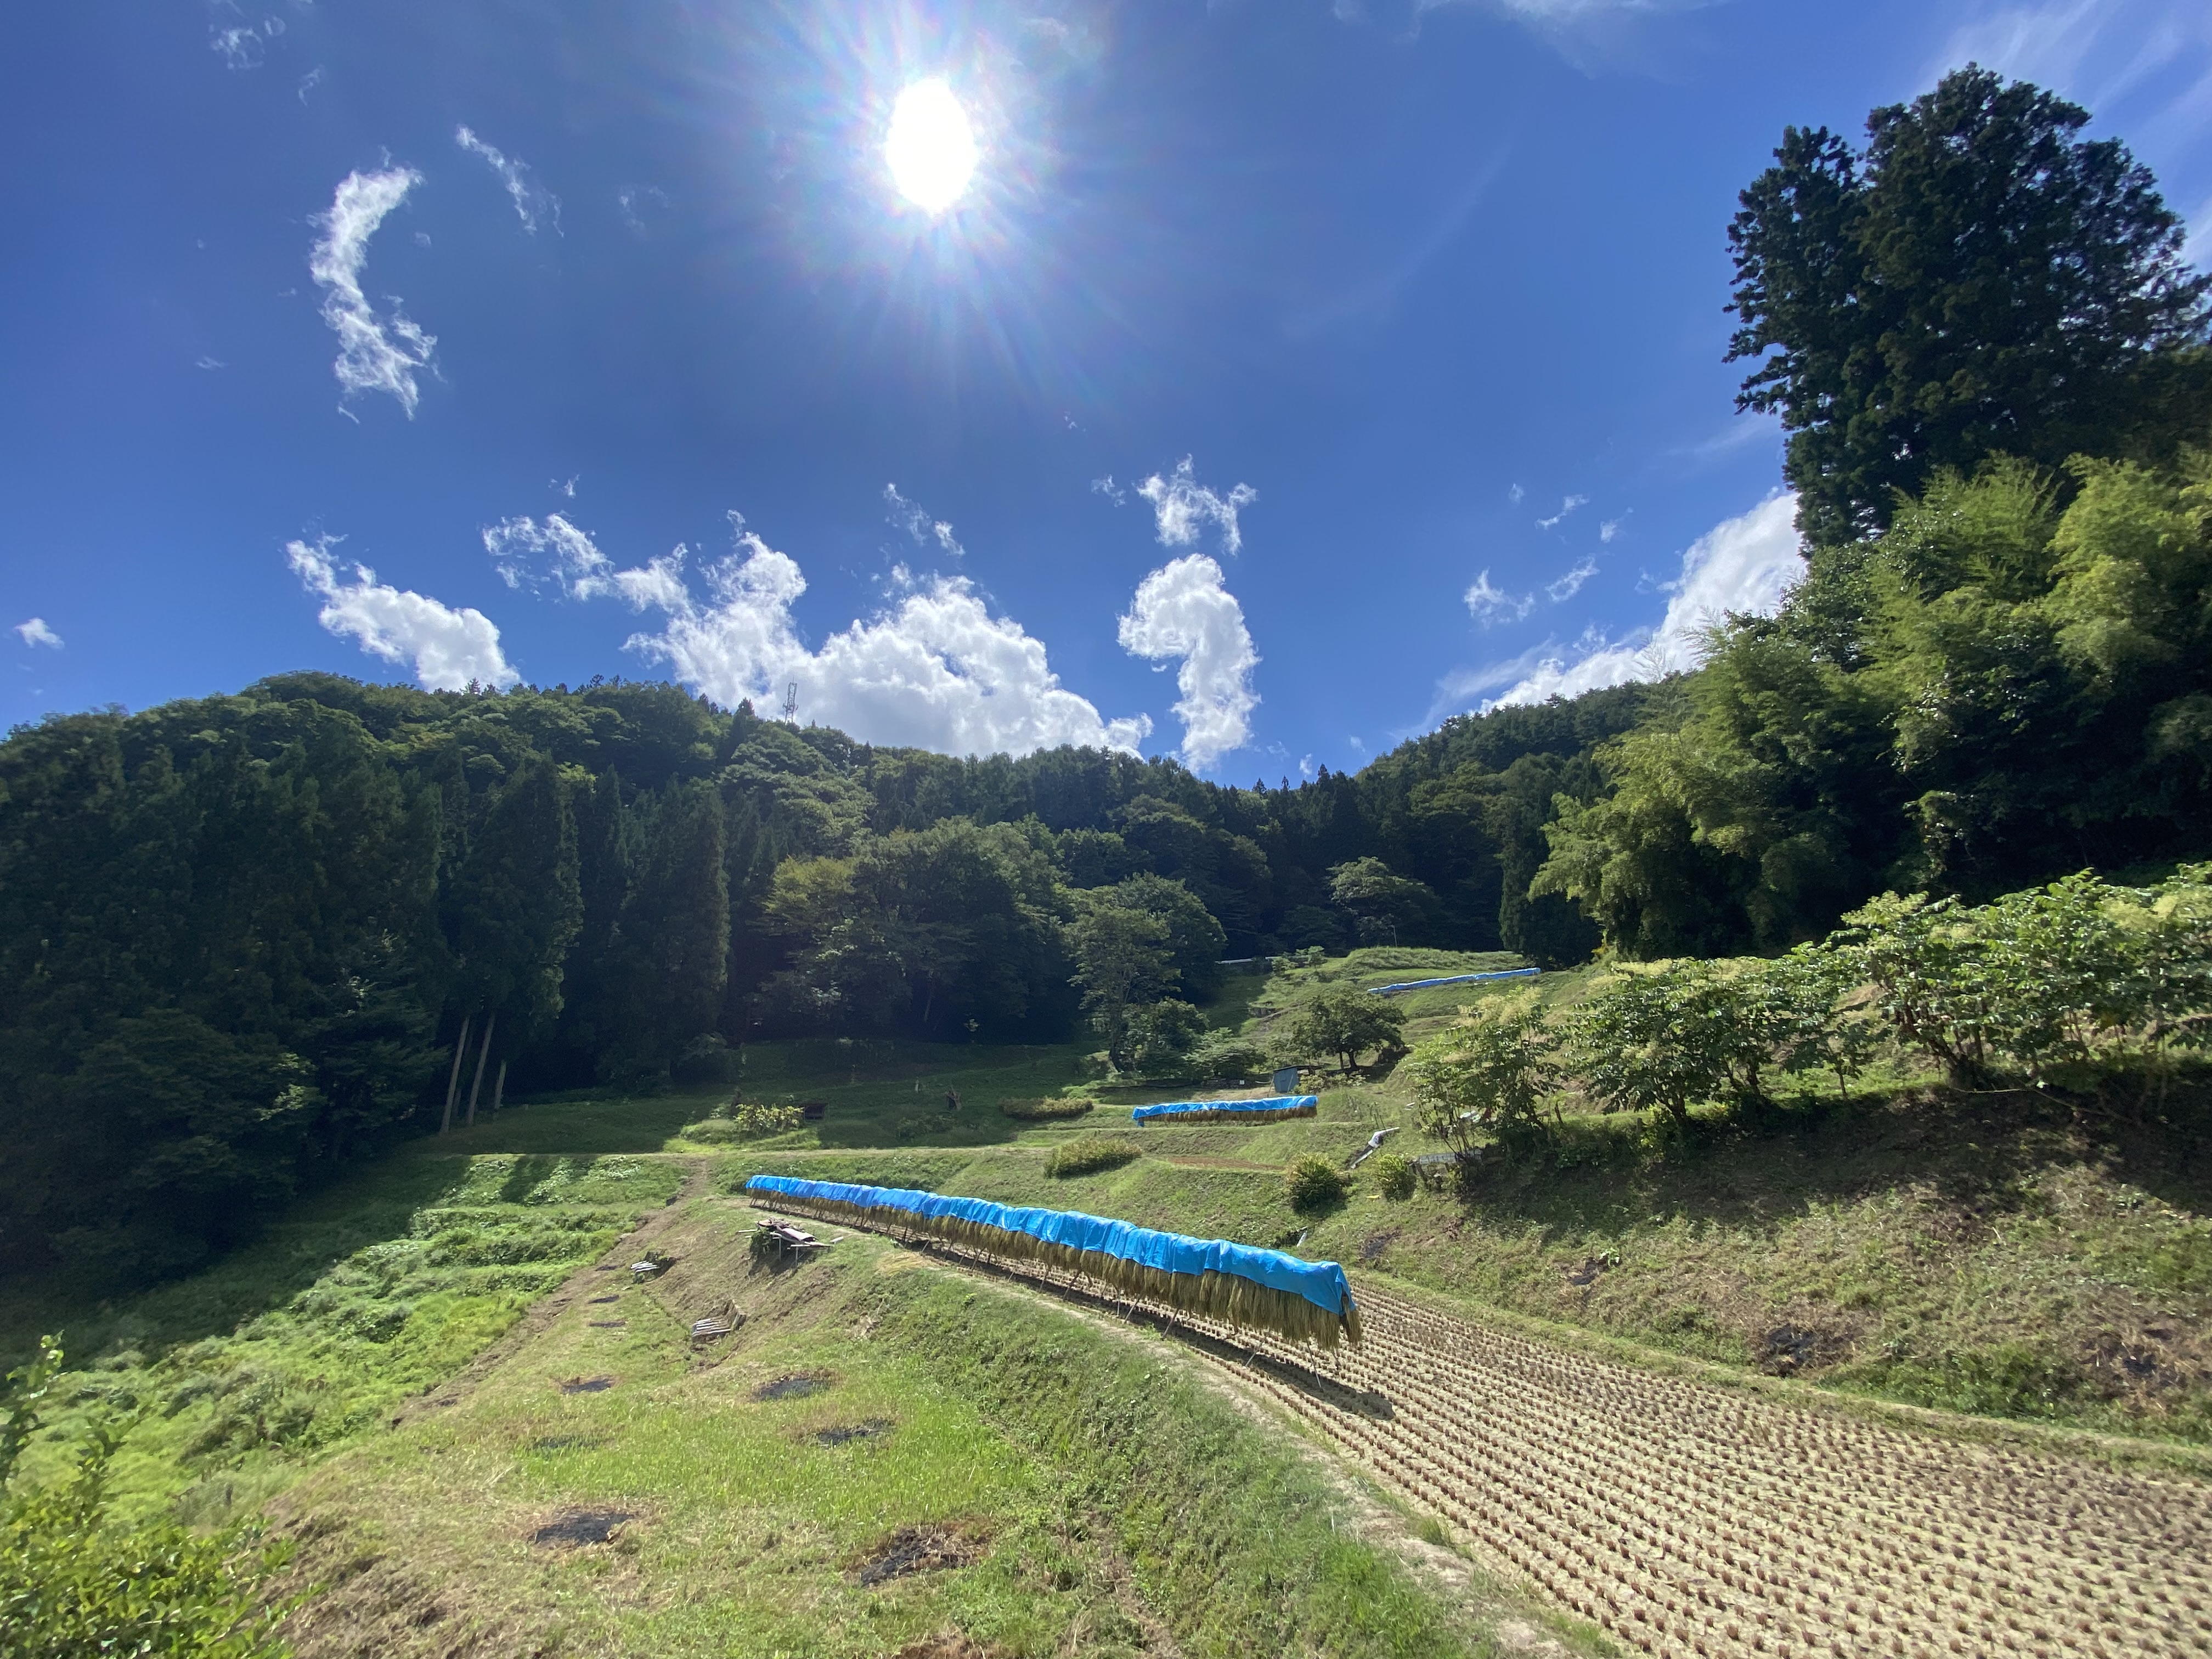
<point>91,1584</point>
<point>1314,1183</point>
<point>1050,1110</point>
<point>1483,1076</point>
<point>1393,1176</point>
<point>1089,1154</point>
<point>748,1118</point>
<point>1225,1053</point>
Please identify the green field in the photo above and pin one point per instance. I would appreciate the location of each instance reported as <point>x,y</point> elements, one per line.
<point>381,1372</point>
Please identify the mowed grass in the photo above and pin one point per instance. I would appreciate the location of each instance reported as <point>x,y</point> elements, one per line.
<point>1100,1500</point>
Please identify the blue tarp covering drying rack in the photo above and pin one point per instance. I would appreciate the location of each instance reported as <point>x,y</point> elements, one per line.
<point>1450,979</point>
<point>1273,1106</point>
<point>1090,1241</point>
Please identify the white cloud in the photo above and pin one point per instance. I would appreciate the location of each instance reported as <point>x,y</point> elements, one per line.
<point>910,517</point>
<point>448,648</point>
<point>35,632</point>
<point>373,354</point>
<point>1565,507</point>
<point>1112,491</point>
<point>1184,506</point>
<point>1490,604</point>
<point>1181,610</point>
<point>1571,584</point>
<point>242,45</point>
<point>209,363</point>
<point>1742,566</point>
<point>936,670</point>
<point>1611,528</point>
<point>530,198</point>
<point>530,554</point>
<point>1515,495</point>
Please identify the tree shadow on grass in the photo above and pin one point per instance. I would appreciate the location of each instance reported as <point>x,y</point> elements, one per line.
<point>1981,1154</point>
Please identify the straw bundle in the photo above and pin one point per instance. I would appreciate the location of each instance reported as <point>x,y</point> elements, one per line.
<point>1215,1111</point>
<point>1229,1298</point>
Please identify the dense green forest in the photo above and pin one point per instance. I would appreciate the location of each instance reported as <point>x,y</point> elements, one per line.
<point>247,938</point>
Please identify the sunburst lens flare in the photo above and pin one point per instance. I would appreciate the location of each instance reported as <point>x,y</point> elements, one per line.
<point>931,147</point>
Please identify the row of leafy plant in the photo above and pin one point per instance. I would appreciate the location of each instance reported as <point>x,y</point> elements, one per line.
<point>2049,986</point>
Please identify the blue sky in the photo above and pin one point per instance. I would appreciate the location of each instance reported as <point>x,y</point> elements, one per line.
<point>1287,377</point>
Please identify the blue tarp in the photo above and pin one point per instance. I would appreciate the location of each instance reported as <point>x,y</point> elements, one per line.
<point>1453,979</point>
<point>1322,1283</point>
<point>1272,1104</point>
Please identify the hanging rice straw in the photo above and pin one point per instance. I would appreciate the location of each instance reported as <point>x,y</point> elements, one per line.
<point>1237,1285</point>
<point>1272,1109</point>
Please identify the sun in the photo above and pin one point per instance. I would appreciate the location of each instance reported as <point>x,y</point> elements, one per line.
<point>931,147</point>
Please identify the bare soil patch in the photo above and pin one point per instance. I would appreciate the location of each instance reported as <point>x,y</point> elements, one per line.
<point>794,1387</point>
<point>920,1549</point>
<point>574,1528</point>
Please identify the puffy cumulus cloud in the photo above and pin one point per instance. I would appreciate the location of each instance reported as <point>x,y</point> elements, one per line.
<point>1183,506</point>
<point>530,198</point>
<point>375,354</point>
<point>926,531</point>
<point>1742,566</point>
<point>935,671</point>
<point>1489,603</point>
<point>449,648</point>
<point>35,632</point>
<point>1181,610</point>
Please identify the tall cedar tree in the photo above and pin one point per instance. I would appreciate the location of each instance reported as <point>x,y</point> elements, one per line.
<point>1980,280</point>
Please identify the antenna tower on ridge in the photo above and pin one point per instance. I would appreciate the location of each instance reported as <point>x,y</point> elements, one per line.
<point>791,700</point>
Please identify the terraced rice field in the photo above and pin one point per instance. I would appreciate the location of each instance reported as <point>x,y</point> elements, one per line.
<point>1686,1519</point>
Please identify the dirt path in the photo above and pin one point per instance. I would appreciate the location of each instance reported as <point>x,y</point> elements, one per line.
<point>1687,1519</point>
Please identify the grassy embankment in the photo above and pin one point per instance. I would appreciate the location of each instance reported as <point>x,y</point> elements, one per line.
<point>325,1374</point>
<point>1079,1489</point>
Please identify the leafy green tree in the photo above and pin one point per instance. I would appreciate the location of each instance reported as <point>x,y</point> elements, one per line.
<point>1484,1076</point>
<point>1122,961</point>
<point>1162,1035</point>
<point>1667,1036</point>
<point>1980,280</point>
<point>1348,1023</point>
<point>1194,939</point>
<point>1385,906</point>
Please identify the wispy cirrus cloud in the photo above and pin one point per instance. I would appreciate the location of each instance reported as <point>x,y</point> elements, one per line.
<point>1490,604</point>
<point>1566,510</point>
<point>530,198</point>
<point>375,354</point>
<point>1571,584</point>
<point>925,530</point>
<point>448,649</point>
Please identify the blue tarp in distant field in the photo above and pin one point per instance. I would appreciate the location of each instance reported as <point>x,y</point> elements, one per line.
<point>1322,1283</point>
<point>1452,979</point>
<point>1272,1104</point>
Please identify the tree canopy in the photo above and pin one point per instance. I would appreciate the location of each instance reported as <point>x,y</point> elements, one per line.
<point>1979,280</point>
